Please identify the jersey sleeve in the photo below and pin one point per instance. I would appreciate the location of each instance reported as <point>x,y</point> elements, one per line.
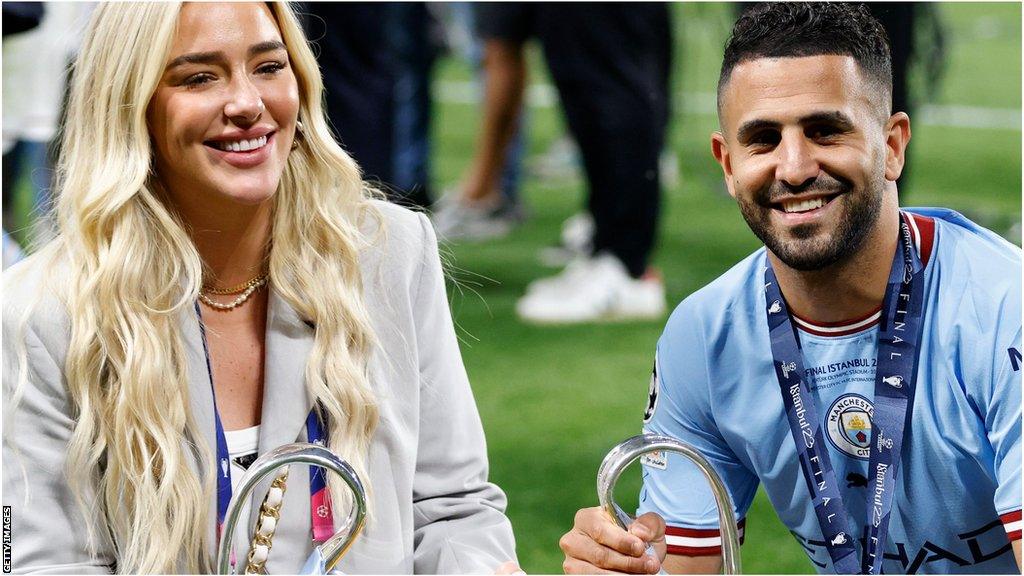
<point>983,274</point>
<point>992,360</point>
<point>1003,423</point>
<point>679,407</point>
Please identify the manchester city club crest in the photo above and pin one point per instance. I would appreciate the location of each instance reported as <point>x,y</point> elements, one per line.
<point>848,425</point>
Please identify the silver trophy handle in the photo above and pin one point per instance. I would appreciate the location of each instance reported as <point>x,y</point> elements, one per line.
<point>625,453</point>
<point>301,453</point>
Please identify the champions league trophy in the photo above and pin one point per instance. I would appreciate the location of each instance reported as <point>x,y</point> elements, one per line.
<point>625,453</point>
<point>325,556</point>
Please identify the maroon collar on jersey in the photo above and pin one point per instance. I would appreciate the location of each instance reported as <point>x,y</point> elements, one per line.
<point>922,231</point>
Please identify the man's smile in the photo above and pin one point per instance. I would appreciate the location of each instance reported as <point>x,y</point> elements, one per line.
<point>799,205</point>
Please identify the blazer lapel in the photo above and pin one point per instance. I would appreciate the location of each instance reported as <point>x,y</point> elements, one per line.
<point>200,395</point>
<point>286,404</point>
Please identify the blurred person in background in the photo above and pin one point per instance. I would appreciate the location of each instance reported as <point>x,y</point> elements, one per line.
<point>486,203</point>
<point>18,18</point>
<point>352,45</point>
<point>224,282</point>
<point>917,37</point>
<point>39,41</point>
<point>416,40</point>
<point>610,63</point>
<point>377,61</point>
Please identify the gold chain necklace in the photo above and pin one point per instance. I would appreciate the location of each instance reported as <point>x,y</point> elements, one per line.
<point>251,287</point>
<point>236,289</point>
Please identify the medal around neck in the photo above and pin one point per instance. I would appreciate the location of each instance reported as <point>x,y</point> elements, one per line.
<point>626,452</point>
<point>324,557</point>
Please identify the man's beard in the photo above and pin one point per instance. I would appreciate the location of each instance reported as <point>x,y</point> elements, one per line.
<point>811,248</point>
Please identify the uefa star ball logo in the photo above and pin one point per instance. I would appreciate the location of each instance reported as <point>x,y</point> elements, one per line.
<point>652,393</point>
<point>848,425</point>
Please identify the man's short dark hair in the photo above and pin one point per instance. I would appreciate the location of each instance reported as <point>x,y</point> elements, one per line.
<point>796,29</point>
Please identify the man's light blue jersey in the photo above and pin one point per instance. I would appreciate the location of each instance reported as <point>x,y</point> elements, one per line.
<point>958,497</point>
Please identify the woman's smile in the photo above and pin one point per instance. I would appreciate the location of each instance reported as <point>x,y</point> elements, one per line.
<point>243,150</point>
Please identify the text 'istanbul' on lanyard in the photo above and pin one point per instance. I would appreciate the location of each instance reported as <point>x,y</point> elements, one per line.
<point>896,373</point>
<point>319,500</point>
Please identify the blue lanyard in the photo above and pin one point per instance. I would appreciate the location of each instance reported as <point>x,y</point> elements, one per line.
<point>895,378</point>
<point>320,505</point>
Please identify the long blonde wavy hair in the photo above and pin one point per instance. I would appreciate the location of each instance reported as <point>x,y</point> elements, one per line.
<point>133,271</point>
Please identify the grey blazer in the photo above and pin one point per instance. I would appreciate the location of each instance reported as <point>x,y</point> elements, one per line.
<point>433,510</point>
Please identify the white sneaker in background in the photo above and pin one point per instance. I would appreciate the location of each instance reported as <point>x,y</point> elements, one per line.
<point>457,220</point>
<point>576,240</point>
<point>593,290</point>
<point>577,270</point>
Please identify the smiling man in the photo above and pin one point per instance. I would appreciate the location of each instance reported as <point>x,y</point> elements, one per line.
<point>864,366</point>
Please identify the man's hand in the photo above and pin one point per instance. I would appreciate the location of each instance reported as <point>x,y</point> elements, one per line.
<point>596,544</point>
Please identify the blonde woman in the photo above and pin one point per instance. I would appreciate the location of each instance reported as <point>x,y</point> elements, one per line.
<point>222,277</point>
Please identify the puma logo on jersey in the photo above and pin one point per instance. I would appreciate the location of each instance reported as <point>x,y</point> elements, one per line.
<point>854,480</point>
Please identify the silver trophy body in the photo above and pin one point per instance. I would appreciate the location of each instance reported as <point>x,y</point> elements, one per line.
<point>268,464</point>
<point>625,453</point>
